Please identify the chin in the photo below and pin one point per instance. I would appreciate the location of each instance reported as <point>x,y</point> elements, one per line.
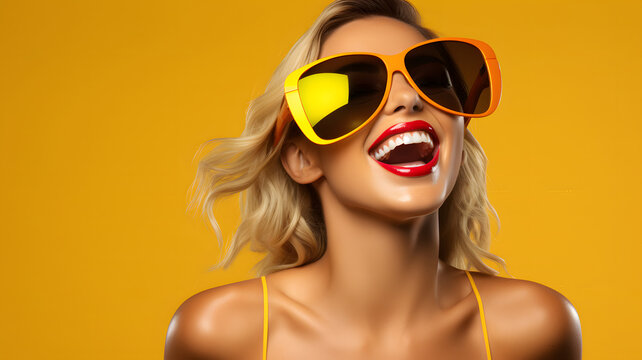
<point>408,211</point>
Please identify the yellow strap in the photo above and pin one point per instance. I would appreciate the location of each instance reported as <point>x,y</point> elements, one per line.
<point>481,314</point>
<point>265,317</point>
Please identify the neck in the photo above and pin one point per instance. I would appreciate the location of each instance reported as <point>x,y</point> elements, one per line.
<point>377,271</point>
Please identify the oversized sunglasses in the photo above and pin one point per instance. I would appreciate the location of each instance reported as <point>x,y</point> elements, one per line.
<point>333,97</point>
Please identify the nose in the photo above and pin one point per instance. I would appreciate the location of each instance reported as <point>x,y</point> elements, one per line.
<point>402,96</point>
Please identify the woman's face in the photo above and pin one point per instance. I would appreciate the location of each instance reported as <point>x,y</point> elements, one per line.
<point>351,171</point>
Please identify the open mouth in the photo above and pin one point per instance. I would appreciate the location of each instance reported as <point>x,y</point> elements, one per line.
<point>408,149</point>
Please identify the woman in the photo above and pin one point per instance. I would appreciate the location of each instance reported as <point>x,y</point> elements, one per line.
<point>367,193</point>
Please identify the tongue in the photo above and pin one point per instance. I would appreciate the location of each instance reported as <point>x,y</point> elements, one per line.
<point>410,164</point>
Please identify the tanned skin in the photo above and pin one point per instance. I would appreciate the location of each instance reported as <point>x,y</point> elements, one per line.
<point>380,291</point>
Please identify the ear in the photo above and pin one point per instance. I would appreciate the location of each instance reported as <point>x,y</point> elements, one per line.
<point>300,161</point>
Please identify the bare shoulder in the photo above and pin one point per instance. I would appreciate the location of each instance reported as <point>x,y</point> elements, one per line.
<point>527,320</point>
<point>225,322</point>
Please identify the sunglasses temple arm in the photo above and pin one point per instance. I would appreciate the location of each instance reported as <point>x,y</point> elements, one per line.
<point>284,118</point>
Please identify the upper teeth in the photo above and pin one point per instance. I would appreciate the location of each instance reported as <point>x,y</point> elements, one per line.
<point>406,138</point>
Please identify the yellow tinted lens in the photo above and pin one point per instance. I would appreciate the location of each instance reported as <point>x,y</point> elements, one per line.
<point>323,93</point>
<point>340,94</point>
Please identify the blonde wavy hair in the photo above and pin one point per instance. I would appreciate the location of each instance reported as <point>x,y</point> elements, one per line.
<point>282,218</point>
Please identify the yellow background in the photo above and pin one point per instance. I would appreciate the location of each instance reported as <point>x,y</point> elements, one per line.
<point>104,103</point>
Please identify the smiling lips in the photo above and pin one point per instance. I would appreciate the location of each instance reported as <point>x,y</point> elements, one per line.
<point>407,149</point>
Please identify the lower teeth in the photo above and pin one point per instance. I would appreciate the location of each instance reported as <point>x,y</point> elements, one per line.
<point>411,164</point>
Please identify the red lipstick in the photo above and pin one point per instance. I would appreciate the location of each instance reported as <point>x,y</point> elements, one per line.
<point>417,125</point>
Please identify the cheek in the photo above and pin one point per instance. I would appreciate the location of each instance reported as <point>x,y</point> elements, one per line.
<point>453,158</point>
<point>356,181</point>
<point>346,169</point>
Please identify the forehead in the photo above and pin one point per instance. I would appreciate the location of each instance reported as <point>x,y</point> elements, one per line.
<point>377,34</point>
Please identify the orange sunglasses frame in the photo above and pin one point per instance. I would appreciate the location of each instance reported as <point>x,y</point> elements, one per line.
<point>292,108</point>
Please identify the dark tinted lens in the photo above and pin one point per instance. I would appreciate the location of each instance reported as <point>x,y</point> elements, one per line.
<point>340,94</point>
<point>451,73</point>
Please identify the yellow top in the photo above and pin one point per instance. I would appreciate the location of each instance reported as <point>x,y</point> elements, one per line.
<point>481,315</point>
<point>265,317</point>
<point>472,283</point>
